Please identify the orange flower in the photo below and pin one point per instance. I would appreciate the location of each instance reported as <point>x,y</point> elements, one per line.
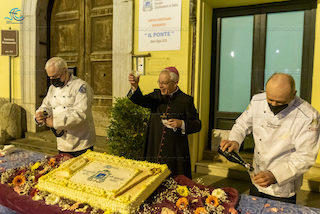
<point>200,210</point>
<point>19,180</point>
<point>182,203</point>
<point>212,200</point>
<point>52,161</point>
<point>274,209</point>
<point>17,189</point>
<point>232,210</point>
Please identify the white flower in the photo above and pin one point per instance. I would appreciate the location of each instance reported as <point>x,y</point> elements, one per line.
<point>220,209</point>
<point>37,197</point>
<point>167,211</point>
<point>52,199</point>
<point>220,194</point>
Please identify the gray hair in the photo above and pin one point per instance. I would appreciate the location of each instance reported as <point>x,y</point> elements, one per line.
<point>173,76</point>
<point>58,62</point>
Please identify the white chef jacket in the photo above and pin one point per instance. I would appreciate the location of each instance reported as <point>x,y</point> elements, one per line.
<point>71,110</point>
<point>285,144</point>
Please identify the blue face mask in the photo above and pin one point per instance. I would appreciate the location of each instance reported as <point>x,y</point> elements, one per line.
<point>57,82</point>
<point>277,109</point>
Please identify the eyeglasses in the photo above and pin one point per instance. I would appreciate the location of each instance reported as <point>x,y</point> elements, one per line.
<point>164,83</point>
<point>57,76</point>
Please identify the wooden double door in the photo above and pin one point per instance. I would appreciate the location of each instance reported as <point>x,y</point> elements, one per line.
<point>81,33</point>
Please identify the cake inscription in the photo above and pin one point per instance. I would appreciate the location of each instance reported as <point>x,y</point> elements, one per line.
<point>105,176</point>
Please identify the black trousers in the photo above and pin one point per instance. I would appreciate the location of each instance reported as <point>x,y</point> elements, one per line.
<point>255,192</point>
<point>77,153</point>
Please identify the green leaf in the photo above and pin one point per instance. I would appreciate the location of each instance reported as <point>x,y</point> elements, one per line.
<point>125,133</point>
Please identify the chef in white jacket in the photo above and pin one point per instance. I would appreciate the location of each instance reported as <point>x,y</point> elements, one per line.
<point>285,129</point>
<point>67,109</point>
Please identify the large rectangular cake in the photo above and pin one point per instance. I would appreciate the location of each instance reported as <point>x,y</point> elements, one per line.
<point>104,181</point>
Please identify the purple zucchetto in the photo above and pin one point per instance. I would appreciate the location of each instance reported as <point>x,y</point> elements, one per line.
<point>172,69</point>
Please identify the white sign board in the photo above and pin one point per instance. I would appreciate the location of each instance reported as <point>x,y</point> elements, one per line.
<point>159,25</point>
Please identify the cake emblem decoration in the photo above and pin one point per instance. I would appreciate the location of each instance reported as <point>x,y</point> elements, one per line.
<point>100,176</point>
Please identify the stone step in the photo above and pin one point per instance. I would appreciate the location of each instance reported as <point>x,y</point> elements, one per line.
<point>46,135</point>
<point>222,169</point>
<point>311,179</point>
<point>214,155</point>
<point>45,142</point>
<point>36,145</point>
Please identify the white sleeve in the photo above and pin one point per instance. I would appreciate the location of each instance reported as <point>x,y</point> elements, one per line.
<point>76,114</point>
<point>243,125</point>
<point>306,150</point>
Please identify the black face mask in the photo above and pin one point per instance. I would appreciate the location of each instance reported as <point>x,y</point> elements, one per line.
<point>57,82</point>
<point>277,109</point>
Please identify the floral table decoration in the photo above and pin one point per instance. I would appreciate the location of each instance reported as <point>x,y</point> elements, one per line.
<point>175,195</point>
<point>181,195</point>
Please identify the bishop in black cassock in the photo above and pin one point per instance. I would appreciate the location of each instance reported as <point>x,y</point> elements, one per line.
<point>173,117</point>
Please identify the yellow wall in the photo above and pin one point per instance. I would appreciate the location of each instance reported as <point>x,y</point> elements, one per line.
<point>203,72</point>
<point>161,59</point>
<point>6,6</point>
<point>315,99</point>
<point>204,22</point>
<point>181,59</point>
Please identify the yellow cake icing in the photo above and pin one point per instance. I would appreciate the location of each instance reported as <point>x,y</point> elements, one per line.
<point>111,183</point>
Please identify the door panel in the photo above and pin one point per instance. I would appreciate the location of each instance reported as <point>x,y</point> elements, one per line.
<point>98,56</point>
<point>81,33</point>
<point>103,85</point>
<point>97,3</point>
<point>67,33</point>
<point>99,47</point>
<point>66,5</point>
